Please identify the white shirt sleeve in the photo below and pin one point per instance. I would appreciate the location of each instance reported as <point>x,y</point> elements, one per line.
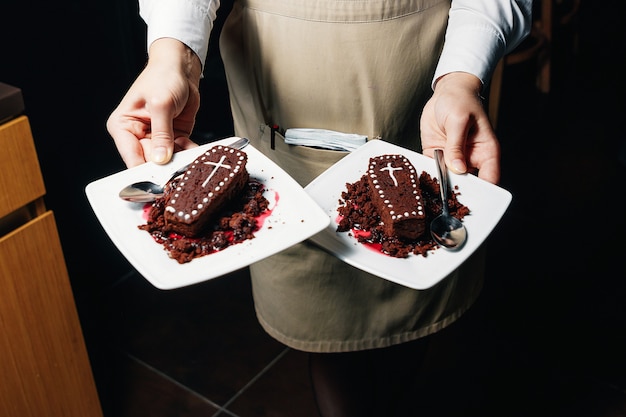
<point>480,32</point>
<point>189,21</point>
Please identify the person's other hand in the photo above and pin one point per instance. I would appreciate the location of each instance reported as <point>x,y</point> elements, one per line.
<point>157,114</point>
<point>454,119</point>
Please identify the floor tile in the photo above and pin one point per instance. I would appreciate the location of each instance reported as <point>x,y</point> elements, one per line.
<point>283,391</point>
<point>141,390</point>
<point>205,337</point>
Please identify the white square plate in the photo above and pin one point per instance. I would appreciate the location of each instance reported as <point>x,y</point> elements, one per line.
<point>294,217</point>
<point>487,204</point>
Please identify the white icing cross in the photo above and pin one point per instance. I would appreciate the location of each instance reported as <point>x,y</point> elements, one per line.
<point>218,165</point>
<point>391,169</point>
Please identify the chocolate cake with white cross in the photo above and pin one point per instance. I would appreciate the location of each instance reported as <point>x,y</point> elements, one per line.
<point>210,182</point>
<point>395,192</point>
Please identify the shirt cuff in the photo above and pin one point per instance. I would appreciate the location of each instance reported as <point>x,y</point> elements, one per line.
<point>184,20</point>
<point>480,34</point>
<point>461,54</point>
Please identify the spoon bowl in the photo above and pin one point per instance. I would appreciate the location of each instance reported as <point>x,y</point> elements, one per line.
<point>448,231</point>
<point>146,191</point>
<point>142,192</point>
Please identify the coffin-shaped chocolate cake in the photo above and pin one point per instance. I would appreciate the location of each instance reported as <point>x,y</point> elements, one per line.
<point>214,178</point>
<point>395,192</point>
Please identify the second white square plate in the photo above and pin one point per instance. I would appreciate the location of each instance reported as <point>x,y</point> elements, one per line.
<point>487,203</point>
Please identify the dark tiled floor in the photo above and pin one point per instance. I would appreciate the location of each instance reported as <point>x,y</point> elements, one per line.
<point>199,349</point>
<point>547,337</point>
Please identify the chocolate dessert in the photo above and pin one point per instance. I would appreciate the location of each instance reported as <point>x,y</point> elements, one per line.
<point>214,205</point>
<point>210,182</point>
<point>395,192</point>
<point>364,216</point>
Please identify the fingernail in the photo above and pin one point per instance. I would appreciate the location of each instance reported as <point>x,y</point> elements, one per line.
<point>159,154</point>
<point>458,165</point>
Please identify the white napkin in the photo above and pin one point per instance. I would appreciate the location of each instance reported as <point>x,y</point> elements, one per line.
<point>322,138</point>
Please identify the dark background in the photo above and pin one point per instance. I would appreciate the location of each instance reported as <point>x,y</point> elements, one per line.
<point>555,283</point>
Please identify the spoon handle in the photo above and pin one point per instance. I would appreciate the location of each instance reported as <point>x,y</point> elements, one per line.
<point>178,172</point>
<point>442,171</point>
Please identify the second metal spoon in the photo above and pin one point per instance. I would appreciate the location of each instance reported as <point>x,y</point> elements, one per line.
<point>147,191</point>
<point>446,230</point>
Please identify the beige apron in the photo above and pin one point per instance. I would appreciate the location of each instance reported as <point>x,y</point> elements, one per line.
<point>354,66</point>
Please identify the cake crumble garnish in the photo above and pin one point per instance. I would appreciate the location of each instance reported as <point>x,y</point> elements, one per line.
<point>212,206</point>
<point>391,206</point>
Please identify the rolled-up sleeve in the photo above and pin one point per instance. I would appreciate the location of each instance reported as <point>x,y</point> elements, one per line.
<point>480,33</point>
<point>189,21</point>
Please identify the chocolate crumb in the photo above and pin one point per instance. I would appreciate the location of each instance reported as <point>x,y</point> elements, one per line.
<point>234,224</point>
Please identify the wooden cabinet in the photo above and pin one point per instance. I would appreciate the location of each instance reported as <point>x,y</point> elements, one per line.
<point>44,366</point>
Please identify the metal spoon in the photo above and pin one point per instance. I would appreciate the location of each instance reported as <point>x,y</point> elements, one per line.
<point>146,191</point>
<point>446,230</point>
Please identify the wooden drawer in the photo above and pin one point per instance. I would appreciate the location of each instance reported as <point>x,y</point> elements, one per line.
<point>21,182</point>
<point>44,363</point>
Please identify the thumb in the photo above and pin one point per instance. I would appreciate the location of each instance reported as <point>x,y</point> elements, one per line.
<point>162,135</point>
<point>454,147</point>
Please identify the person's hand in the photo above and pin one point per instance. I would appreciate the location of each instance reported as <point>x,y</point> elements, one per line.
<point>454,119</point>
<point>157,114</point>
